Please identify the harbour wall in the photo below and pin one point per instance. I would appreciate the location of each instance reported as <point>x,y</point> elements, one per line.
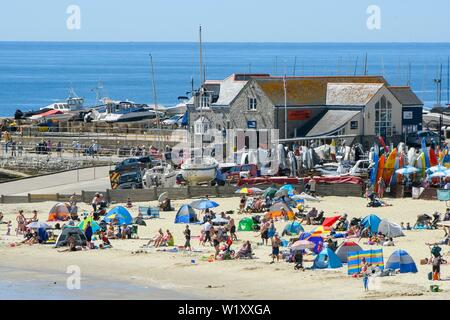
<point>181,193</point>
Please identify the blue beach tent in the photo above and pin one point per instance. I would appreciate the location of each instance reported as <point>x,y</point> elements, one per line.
<point>119,213</point>
<point>186,214</point>
<point>400,259</point>
<point>373,221</point>
<point>327,259</point>
<point>294,227</point>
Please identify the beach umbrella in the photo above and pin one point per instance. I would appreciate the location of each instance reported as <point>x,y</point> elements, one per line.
<point>270,192</point>
<point>437,169</point>
<point>249,191</point>
<point>438,174</point>
<point>38,225</point>
<point>320,231</point>
<point>407,170</point>
<point>204,204</point>
<point>302,245</point>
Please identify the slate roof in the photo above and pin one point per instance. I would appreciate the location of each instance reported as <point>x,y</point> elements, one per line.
<point>332,121</point>
<point>310,91</point>
<point>351,94</point>
<point>406,96</point>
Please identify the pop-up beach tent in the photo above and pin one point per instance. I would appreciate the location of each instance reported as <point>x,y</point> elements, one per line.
<point>294,227</point>
<point>75,232</point>
<point>119,213</point>
<point>401,260</point>
<point>186,214</point>
<point>59,212</point>
<point>94,225</point>
<point>276,211</point>
<point>246,224</point>
<point>371,221</point>
<point>390,229</point>
<point>327,259</point>
<point>343,251</point>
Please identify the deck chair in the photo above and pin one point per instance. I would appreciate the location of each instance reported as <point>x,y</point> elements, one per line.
<point>149,212</point>
<point>444,195</point>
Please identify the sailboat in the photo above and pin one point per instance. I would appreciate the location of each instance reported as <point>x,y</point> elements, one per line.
<point>199,169</point>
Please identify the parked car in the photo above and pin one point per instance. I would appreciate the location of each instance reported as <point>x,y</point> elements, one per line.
<point>414,139</point>
<point>130,180</point>
<point>130,164</point>
<point>174,121</point>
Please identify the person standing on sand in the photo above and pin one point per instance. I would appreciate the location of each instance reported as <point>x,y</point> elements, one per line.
<point>276,242</point>
<point>88,233</point>
<point>187,236</point>
<point>8,228</point>
<point>21,220</point>
<point>233,230</point>
<point>381,187</point>
<point>207,228</point>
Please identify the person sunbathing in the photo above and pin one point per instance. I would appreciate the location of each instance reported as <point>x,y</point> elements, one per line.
<point>156,240</point>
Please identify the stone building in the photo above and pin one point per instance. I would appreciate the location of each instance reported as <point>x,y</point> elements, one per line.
<point>363,106</point>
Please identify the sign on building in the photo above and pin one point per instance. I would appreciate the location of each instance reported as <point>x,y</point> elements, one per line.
<point>299,114</point>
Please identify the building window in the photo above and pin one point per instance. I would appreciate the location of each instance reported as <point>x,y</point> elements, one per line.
<point>354,125</point>
<point>383,118</point>
<point>251,104</point>
<point>201,126</point>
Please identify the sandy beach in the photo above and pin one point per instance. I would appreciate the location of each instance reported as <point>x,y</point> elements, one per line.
<point>123,274</point>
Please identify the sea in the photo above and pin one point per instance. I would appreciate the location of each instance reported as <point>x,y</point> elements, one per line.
<point>36,74</point>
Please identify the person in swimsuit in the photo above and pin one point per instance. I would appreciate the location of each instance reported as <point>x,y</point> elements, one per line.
<point>265,232</point>
<point>187,235</point>
<point>233,230</point>
<point>276,242</point>
<point>216,244</point>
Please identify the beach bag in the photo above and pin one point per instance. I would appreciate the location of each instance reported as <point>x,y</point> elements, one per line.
<point>430,276</point>
<point>435,276</point>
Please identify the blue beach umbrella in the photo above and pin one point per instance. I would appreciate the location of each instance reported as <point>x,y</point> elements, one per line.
<point>204,204</point>
<point>407,170</point>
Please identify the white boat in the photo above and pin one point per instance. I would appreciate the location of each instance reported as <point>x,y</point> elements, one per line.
<point>122,111</point>
<point>199,170</point>
<point>163,175</point>
<point>72,103</point>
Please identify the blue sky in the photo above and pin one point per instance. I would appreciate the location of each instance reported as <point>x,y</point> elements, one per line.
<point>226,20</point>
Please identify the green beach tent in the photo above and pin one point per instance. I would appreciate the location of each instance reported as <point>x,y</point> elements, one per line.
<point>270,192</point>
<point>246,224</point>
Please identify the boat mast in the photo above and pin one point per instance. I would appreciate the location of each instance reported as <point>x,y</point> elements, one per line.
<point>202,80</point>
<point>155,101</point>
<point>285,108</point>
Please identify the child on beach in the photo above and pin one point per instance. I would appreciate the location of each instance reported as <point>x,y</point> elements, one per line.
<point>129,203</point>
<point>8,228</point>
<point>366,281</point>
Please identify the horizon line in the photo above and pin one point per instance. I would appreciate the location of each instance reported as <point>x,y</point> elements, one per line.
<point>231,42</point>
